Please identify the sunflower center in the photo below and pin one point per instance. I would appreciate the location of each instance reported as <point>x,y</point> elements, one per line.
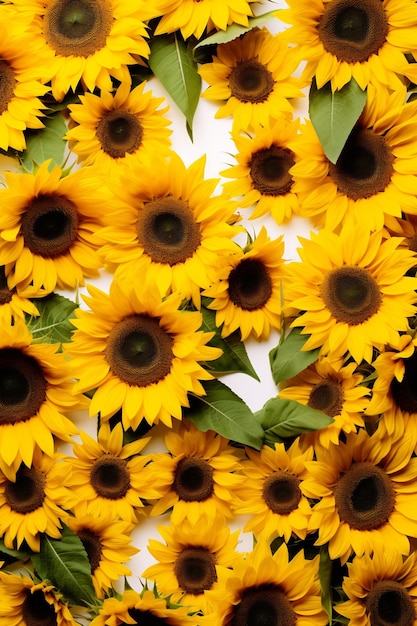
<point>269,170</point>
<point>405,392</point>
<point>119,132</point>
<point>250,285</point>
<point>193,479</point>
<point>110,477</point>
<point>364,496</point>
<point>353,30</point>
<point>281,492</point>
<point>36,610</point>
<point>251,81</point>
<point>139,350</point>
<point>6,294</point>
<point>7,85</point>
<point>351,294</point>
<point>22,386</point>
<point>77,27</point>
<point>265,605</point>
<point>168,231</point>
<point>327,396</point>
<point>195,569</point>
<point>92,546</point>
<point>389,604</point>
<point>145,618</point>
<point>365,165</point>
<point>27,493</point>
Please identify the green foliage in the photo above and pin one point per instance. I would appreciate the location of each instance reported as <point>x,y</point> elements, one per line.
<point>334,114</point>
<point>236,30</point>
<point>288,359</point>
<point>325,576</point>
<point>16,554</point>
<point>46,143</point>
<point>54,322</point>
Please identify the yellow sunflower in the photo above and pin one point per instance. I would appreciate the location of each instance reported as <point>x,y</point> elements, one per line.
<point>201,475</point>
<point>361,39</point>
<point>366,488</point>
<point>261,177</point>
<point>107,543</point>
<point>381,589</point>
<point>171,232</point>
<point>25,602</point>
<point>334,388</point>
<point>253,75</point>
<point>351,291</point>
<point>248,292</point>
<point>87,40</point>
<point>47,226</point>
<point>12,304</point>
<point>107,476</point>
<point>124,128</point>
<point>142,353</point>
<point>374,175</point>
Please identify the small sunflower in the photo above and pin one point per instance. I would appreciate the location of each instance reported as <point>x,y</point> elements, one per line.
<point>142,353</point>
<point>253,75</point>
<point>351,291</point>
<point>124,128</point>
<point>201,474</point>
<point>271,494</point>
<point>362,39</point>
<point>13,306</point>
<point>247,294</point>
<point>366,489</point>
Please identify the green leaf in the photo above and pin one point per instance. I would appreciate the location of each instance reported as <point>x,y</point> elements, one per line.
<point>224,412</point>
<point>334,114</point>
<point>325,576</point>
<point>46,143</point>
<point>172,62</point>
<point>236,30</point>
<point>54,322</point>
<point>64,562</point>
<point>17,554</point>
<point>288,359</point>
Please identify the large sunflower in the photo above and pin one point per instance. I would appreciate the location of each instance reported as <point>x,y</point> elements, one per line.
<point>361,39</point>
<point>142,353</point>
<point>201,474</point>
<point>351,291</point>
<point>126,127</point>
<point>253,75</point>
<point>366,488</point>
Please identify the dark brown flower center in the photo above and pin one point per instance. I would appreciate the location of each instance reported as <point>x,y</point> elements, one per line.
<point>77,27</point>
<point>269,171</point>
<point>110,477</point>
<point>265,605</point>
<point>250,285</point>
<point>351,294</point>
<point>389,604</point>
<point>353,30</point>
<point>195,569</point>
<point>251,81</point>
<point>92,545</point>
<point>365,165</point>
<point>119,133</point>
<point>281,492</point>
<point>404,393</point>
<point>6,294</point>
<point>7,85</point>
<point>193,479</point>
<point>327,396</point>
<point>49,225</point>
<point>139,350</point>
<point>168,231</point>
<point>146,618</point>
<point>365,496</point>
<point>36,610</point>
<point>22,386</point>
<point>27,493</point>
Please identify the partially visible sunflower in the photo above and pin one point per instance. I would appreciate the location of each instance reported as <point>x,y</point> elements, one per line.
<point>247,294</point>
<point>253,76</point>
<point>13,306</point>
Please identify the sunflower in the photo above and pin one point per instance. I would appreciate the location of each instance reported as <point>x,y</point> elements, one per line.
<point>201,475</point>
<point>47,226</point>
<point>107,476</point>
<point>142,353</point>
<point>12,304</point>
<point>107,543</point>
<point>262,175</point>
<point>171,231</point>
<point>351,291</point>
<point>271,494</point>
<point>361,39</point>
<point>366,488</point>
<point>381,589</point>
<point>34,502</point>
<point>87,40</point>
<point>374,175</point>
<point>247,294</point>
<point>124,128</point>
<point>26,602</point>
<point>334,388</point>
<point>253,75</point>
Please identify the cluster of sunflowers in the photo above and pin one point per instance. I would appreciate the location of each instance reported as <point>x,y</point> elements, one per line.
<point>323,477</point>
